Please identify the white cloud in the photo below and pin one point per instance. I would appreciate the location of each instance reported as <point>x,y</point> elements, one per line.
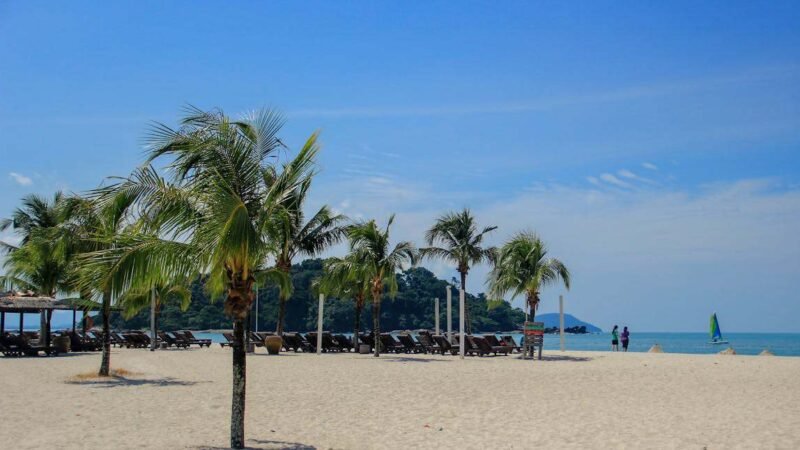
<point>21,179</point>
<point>649,166</point>
<point>593,180</point>
<point>625,173</point>
<point>613,180</point>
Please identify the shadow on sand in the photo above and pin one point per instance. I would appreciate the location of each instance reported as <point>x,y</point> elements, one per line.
<point>559,358</point>
<point>118,381</point>
<point>268,445</point>
<point>385,358</point>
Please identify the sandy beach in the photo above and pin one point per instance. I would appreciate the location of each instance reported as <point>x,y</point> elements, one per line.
<point>181,399</point>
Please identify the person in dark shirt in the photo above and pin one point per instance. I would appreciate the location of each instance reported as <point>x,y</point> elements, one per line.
<point>625,339</point>
<point>615,339</point>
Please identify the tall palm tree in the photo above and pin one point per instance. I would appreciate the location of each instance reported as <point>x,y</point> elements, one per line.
<point>143,297</point>
<point>212,216</point>
<point>459,242</point>
<point>347,278</point>
<point>292,237</point>
<point>98,226</point>
<point>370,245</point>
<point>523,268</point>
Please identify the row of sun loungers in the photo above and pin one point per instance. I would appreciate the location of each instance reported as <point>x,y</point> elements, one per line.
<point>424,342</point>
<point>22,345</point>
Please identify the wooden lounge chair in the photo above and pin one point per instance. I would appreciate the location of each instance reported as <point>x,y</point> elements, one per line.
<point>20,345</point>
<point>390,344</point>
<point>9,346</point>
<point>444,345</point>
<point>485,348</point>
<point>329,344</point>
<point>426,340</point>
<point>228,340</point>
<point>193,340</point>
<point>409,344</point>
<point>291,342</point>
<point>344,342</point>
<point>172,341</point>
<point>367,339</point>
<point>509,340</point>
<point>469,347</point>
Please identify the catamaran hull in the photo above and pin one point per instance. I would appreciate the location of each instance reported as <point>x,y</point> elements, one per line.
<point>719,342</point>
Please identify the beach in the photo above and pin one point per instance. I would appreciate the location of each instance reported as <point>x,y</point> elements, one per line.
<point>181,399</point>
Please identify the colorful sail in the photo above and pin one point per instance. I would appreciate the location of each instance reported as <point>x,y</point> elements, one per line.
<point>716,334</point>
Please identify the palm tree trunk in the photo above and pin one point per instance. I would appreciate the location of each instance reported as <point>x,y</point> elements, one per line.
<point>105,362</point>
<point>239,384</point>
<point>376,324</point>
<point>467,322</point>
<point>281,313</point>
<point>357,327</point>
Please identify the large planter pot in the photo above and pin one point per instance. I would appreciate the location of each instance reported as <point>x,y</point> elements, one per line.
<point>62,344</point>
<point>273,344</point>
<point>364,349</point>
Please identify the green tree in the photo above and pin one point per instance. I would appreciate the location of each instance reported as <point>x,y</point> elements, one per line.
<point>292,237</point>
<point>347,277</point>
<point>459,242</point>
<point>143,297</point>
<point>523,268</point>
<point>213,216</point>
<point>370,245</point>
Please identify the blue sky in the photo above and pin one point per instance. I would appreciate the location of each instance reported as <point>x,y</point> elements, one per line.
<point>654,146</point>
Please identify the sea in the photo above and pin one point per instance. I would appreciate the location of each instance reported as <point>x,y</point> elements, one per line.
<point>781,344</point>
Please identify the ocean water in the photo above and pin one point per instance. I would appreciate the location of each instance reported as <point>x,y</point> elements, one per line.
<point>782,344</point>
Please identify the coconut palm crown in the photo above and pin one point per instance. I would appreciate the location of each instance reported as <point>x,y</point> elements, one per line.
<point>523,268</point>
<point>460,243</point>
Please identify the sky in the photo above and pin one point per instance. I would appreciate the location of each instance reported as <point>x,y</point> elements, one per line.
<point>652,145</point>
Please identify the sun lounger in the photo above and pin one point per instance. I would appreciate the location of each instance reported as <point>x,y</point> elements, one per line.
<point>485,348</point>
<point>193,340</point>
<point>172,341</point>
<point>228,340</point>
<point>390,344</point>
<point>444,345</point>
<point>470,348</point>
<point>344,342</point>
<point>509,340</point>
<point>409,345</point>
<point>13,345</point>
<point>426,340</point>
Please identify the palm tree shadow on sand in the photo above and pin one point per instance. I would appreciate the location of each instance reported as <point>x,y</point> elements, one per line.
<point>567,358</point>
<point>268,445</point>
<point>118,381</point>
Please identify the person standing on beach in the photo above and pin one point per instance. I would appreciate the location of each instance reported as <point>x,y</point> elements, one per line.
<point>625,338</point>
<point>615,339</point>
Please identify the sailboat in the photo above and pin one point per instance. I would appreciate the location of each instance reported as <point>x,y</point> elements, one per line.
<point>714,331</point>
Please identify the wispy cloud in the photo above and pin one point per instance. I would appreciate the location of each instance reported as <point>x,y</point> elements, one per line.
<point>625,173</point>
<point>656,89</point>
<point>21,179</point>
<point>649,166</point>
<point>613,180</point>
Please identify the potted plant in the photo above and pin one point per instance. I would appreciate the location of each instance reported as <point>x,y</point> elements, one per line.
<point>273,344</point>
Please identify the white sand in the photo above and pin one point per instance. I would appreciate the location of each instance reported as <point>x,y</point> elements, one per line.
<point>181,399</point>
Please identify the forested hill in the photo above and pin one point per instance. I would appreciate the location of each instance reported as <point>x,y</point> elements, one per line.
<point>412,308</point>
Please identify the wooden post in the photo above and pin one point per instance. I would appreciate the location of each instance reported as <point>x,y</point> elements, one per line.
<point>561,319</point>
<point>256,308</point>
<point>436,312</point>
<point>153,337</point>
<point>42,327</point>
<point>319,323</point>
<point>48,318</point>
<point>449,315</point>
<point>2,323</point>
<point>21,322</point>
<point>462,339</point>
<point>74,313</point>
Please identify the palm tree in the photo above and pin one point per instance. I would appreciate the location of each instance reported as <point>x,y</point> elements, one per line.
<point>522,267</point>
<point>370,245</point>
<point>36,213</point>
<point>347,278</point>
<point>293,238</point>
<point>137,299</point>
<point>212,216</point>
<point>98,226</point>
<point>460,243</point>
